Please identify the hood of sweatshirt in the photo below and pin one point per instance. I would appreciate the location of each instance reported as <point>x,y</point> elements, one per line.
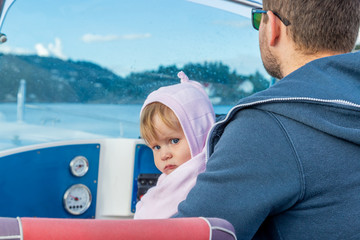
<point>192,107</point>
<point>323,94</point>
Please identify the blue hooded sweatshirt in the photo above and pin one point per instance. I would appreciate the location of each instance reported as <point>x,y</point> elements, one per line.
<point>285,162</point>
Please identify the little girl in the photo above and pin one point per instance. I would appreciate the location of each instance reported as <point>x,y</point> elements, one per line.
<point>174,123</point>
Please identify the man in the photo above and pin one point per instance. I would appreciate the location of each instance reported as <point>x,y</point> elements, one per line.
<point>285,162</point>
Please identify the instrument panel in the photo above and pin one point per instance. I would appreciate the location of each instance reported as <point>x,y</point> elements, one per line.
<point>53,181</point>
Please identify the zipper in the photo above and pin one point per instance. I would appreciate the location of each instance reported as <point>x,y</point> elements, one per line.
<point>336,101</point>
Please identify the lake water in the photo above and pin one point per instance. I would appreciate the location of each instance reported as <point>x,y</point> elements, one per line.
<point>57,122</point>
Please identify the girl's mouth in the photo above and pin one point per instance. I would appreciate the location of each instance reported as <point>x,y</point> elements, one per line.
<point>169,168</point>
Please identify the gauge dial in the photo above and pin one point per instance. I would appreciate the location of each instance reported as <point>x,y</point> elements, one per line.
<point>79,166</point>
<point>77,199</point>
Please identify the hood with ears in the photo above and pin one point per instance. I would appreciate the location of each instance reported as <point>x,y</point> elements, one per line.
<point>192,107</point>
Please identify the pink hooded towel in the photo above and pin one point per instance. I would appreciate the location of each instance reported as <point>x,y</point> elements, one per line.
<point>193,108</point>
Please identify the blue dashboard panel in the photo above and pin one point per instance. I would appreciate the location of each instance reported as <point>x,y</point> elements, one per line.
<point>143,164</point>
<point>33,183</point>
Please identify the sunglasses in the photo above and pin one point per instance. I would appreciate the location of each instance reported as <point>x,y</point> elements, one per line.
<point>256,14</point>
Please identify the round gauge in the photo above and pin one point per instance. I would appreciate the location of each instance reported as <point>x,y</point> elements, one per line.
<point>79,166</point>
<point>77,199</point>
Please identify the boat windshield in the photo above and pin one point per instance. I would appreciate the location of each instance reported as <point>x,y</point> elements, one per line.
<point>82,69</point>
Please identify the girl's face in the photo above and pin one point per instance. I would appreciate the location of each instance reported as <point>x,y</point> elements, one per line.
<point>170,149</point>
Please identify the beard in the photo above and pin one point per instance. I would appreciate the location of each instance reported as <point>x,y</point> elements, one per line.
<point>270,62</point>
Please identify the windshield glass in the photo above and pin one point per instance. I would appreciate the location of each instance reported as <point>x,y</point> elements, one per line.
<point>82,69</point>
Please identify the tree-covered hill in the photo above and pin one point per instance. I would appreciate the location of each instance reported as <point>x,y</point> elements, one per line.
<point>56,80</point>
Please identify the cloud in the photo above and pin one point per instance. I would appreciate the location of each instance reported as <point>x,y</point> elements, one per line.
<point>4,48</point>
<point>52,49</point>
<point>41,50</point>
<point>91,38</point>
<point>56,49</point>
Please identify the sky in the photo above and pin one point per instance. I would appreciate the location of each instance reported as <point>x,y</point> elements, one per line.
<point>131,35</point>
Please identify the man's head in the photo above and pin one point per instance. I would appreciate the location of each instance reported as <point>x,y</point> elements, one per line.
<point>326,25</point>
<point>316,29</point>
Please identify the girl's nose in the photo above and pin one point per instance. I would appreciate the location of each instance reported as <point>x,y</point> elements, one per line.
<point>165,154</point>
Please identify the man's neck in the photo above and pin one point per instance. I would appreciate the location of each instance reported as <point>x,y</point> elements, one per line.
<point>298,59</point>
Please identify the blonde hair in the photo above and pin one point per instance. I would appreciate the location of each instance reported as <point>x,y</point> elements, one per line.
<point>167,116</point>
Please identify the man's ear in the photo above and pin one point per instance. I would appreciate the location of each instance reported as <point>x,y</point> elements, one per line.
<point>274,28</point>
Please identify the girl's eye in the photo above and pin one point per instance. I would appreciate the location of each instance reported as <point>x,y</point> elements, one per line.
<point>157,147</point>
<point>175,140</point>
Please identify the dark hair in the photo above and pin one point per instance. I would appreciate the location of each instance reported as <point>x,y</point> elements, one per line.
<point>320,25</point>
